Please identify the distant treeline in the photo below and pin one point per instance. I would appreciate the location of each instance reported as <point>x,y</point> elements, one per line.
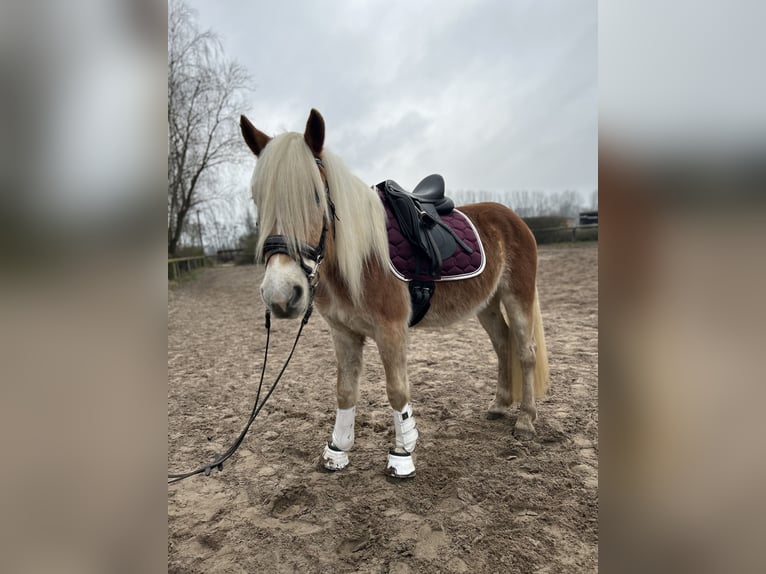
<point>527,203</point>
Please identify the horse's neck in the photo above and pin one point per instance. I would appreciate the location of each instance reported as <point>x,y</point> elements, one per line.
<point>331,272</point>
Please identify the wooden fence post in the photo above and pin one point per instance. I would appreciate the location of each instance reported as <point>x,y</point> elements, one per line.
<point>181,265</point>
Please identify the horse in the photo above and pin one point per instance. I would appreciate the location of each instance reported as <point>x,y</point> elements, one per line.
<point>313,212</point>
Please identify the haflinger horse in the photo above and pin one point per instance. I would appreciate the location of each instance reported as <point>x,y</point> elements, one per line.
<point>312,210</point>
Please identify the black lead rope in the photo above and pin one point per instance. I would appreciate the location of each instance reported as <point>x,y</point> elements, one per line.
<point>218,462</point>
<point>273,245</point>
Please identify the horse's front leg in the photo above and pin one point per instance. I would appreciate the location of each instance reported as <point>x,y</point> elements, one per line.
<point>392,345</point>
<point>348,351</point>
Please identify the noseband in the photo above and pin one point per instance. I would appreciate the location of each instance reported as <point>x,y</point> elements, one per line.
<point>276,244</point>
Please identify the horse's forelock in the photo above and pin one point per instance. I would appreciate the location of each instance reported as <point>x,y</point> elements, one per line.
<point>286,186</point>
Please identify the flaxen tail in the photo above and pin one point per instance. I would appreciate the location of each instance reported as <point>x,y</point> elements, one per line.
<point>542,377</point>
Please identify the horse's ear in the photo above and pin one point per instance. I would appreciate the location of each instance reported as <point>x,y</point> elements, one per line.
<point>314,134</point>
<point>255,139</point>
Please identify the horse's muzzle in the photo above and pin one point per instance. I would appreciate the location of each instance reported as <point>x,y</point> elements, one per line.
<point>290,309</point>
<point>287,303</point>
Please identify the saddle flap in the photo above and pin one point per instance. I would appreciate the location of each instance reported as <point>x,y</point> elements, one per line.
<point>442,238</point>
<point>418,225</point>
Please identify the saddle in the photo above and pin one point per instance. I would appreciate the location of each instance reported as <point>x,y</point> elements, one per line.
<point>418,215</point>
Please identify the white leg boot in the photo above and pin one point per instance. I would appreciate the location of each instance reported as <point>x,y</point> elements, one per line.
<point>400,463</point>
<point>334,456</point>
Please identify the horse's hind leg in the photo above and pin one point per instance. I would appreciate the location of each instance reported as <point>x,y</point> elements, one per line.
<point>349,353</point>
<point>521,317</point>
<point>491,318</point>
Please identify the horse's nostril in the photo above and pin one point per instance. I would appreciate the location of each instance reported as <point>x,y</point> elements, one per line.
<point>297,294</point>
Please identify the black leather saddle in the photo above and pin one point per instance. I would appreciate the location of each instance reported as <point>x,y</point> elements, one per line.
<point>418,216</point>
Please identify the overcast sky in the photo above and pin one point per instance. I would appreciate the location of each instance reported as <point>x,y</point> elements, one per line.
<point>494,95</point>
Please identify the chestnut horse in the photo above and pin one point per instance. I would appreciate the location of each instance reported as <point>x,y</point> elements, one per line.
<point>312,211</point>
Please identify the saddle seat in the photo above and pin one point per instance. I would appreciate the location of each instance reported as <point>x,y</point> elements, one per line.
<point>431,190</point>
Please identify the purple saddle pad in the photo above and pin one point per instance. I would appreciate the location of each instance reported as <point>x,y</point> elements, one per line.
<point>408,265</point>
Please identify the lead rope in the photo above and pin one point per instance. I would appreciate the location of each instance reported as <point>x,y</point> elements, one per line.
<point>313,278</point>
<point>218,462</point>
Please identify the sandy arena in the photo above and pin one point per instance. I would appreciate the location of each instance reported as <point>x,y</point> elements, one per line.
<point>481,501</point>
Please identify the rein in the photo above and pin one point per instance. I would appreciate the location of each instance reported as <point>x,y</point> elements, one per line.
<point>272,245</point>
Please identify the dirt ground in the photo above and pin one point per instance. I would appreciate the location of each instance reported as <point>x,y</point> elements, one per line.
<point>481,501</point>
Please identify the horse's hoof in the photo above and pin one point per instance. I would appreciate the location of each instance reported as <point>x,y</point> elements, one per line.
<point>496,412</point>
<point>334,459</point>
<point>400,465</point>
<point>524,430</point>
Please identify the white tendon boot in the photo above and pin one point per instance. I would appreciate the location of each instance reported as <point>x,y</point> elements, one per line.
<point>400,464</point>
<point>334,456</point>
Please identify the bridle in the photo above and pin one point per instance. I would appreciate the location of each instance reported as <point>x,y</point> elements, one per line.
<point>279,244</point>
<point>273,245</point>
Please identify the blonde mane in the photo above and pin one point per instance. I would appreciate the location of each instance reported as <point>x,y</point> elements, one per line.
<point>287,185</point>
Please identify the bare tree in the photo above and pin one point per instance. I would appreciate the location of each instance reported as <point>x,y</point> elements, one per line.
<point>206,94</point>
<point>528,203</point>
<point>568,203</point>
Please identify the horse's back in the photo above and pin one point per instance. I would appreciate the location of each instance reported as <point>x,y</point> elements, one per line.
<point>503,227</point>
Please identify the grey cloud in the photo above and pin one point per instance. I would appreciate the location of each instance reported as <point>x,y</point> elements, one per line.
<point>495,95</point>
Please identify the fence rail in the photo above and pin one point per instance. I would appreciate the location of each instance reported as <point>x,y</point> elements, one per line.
<point>587,232</point>
<point>228,255</point>
<point>181,265</point>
